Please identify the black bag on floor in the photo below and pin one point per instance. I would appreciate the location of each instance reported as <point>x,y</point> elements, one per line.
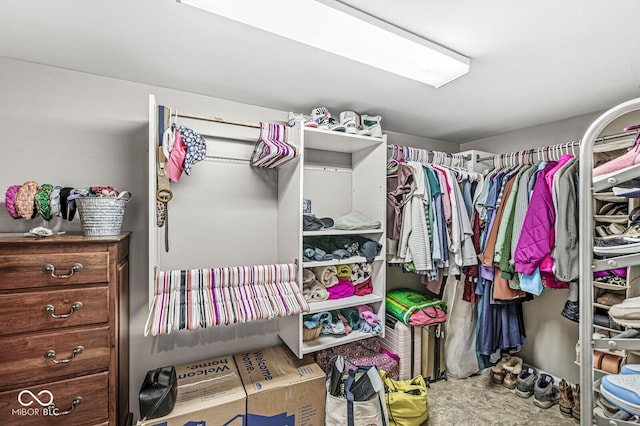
<point>158,392</point>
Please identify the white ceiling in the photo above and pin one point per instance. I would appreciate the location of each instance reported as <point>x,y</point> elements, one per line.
<point>532,62</point>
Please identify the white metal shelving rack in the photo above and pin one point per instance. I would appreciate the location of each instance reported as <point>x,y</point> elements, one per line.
<point>587,264</point>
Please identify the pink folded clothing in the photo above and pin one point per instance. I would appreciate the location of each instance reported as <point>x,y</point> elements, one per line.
<point>426,316</point>
<point>367,314</point>
<point>344,288</point>
<point>365,287</point>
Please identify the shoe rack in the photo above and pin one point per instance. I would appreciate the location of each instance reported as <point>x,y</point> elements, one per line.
<point>611,217</point>
<point>597,198</point>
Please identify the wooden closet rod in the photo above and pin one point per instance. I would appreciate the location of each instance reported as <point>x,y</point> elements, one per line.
<point>219,120</point>
<point>569,144</point>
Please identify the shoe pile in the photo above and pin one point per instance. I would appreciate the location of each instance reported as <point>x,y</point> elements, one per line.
<point>541,386</point>
<point>350,122</point>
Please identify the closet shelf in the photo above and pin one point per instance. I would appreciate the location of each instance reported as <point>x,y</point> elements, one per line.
<point>609,197</point>
<point>597,370</point>
<point>331,305</point>
<point>601,306</point>
<point>613,330</point>
<point>616,262</point>
<point>328,341</point>
<point>610,218</point>
<point>337,141</point>
<point>606,286</point>
<point>342,232</point>
<point>612,179</point>
<point>631,344</point>
<point>352,259</point>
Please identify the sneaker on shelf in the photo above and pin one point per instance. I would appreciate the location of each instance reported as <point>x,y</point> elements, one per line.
<point>629,159</point>
<point>603,320</point>
<point>611,229</point>
<point>370,126</point>
<point>525,382</point>
<point>623,391</point>
<point>627,242</point>
<point>545,393</point>
<point>613,213</point>
<point>608,409</point>
<point>305,119</point>
<point>322,117</point>
<point>350,120</point>
<point>630,369</point>
<point>571,311</point>
<point>566,398</point>
<point>627,313</point>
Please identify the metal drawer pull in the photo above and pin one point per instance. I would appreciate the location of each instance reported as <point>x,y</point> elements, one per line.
<point>49,309</point>
<point>52,269</point>
<point>51,354</point>
<point>54,410</point>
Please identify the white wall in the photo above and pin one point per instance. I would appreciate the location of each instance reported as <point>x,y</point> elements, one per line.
<point>76,129</point>
<point>551,338</point>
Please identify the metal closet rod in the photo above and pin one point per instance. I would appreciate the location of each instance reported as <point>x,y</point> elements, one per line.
<point>218,120</point>
<point>431,151</point>
<point>569,144</point>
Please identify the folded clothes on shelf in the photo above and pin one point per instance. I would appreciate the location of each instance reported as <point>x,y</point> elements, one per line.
<point>356,220</point>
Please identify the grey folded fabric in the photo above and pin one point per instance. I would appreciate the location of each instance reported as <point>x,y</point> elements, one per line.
<point>356,220</point>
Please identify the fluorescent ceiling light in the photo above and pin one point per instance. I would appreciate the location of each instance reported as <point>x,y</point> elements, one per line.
<point>332,26</point>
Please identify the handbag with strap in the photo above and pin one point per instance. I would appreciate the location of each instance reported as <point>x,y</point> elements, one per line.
<point>406,400</point>
<point>158,392</point>
<point>361,403</point>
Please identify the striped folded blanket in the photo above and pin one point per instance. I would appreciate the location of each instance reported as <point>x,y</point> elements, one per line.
<point>413,308</point>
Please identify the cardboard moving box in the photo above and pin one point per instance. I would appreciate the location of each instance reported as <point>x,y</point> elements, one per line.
<point>282,390</point>
<point>210,393</point>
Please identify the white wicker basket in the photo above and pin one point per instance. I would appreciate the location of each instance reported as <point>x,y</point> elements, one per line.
<point>102,216</point>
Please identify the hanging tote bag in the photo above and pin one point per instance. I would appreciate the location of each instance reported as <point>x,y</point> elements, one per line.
<point>345,410</point>
<point>406,400</point>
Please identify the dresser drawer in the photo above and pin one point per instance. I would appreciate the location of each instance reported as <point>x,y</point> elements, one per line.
<point>26,406</point>
<point>47,356</point>
<point>41,270</point>
<point>33,311</point>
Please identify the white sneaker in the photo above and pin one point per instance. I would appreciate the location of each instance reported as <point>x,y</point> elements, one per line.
<point>627,313</point>
<point>305,119</point>
<point>350,120</point>
<point>322,117</point>
<point>371,126</point>
<point>622,390</point>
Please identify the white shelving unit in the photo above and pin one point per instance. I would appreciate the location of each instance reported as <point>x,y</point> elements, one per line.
<point>588,185</point>
<point>339,173</point>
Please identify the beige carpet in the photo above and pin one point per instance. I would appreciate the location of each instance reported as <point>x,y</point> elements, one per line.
<point>479,401</point>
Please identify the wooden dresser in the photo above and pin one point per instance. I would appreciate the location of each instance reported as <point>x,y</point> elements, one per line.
<point>64,330</point>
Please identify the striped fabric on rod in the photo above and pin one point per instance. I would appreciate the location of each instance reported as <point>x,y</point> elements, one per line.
<point>202,298</point>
